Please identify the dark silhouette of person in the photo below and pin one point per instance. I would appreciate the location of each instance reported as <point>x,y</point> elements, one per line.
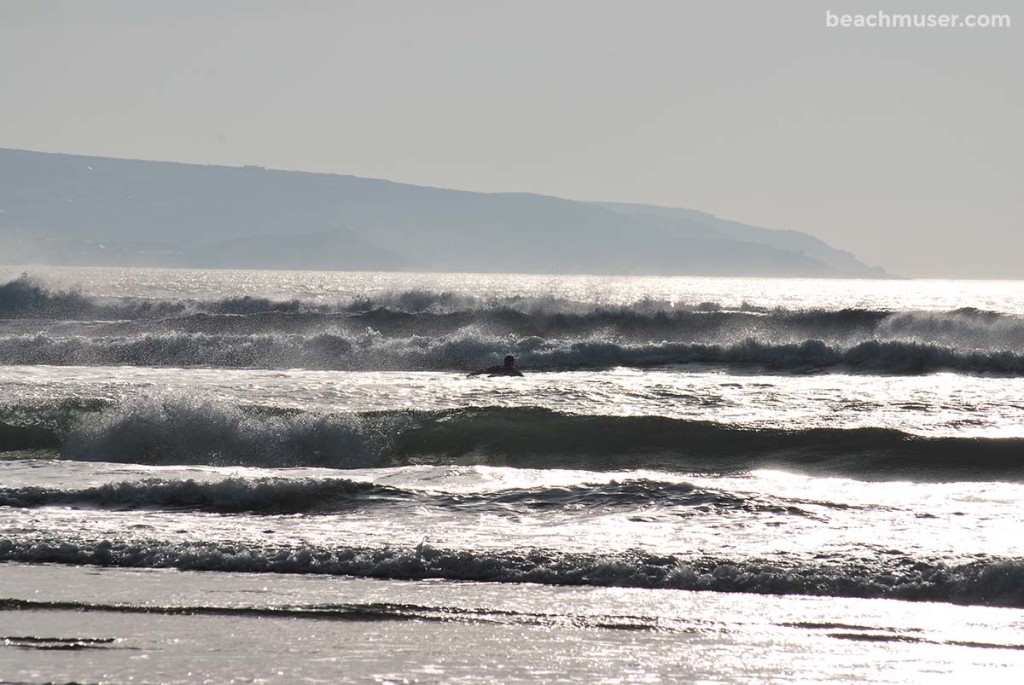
<point>508,369</point>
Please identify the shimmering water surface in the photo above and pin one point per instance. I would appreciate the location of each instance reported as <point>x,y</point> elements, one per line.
<point>278,475</point>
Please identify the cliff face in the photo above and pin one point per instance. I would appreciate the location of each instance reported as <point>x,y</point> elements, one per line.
<point>65,209</point>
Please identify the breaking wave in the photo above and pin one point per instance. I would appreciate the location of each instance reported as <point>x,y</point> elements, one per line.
<point>421,330</point>
<point>332,495</point>
<point>993,582</point>
<point>369,350</point>
<point>196,432</point>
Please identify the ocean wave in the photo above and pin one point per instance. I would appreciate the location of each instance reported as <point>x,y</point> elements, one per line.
<point>232,495</point>
<point>14,437</point>
<point>193,431</point>
<point>365,611</point>
<point>422,330</point>
<point>371,351</point>
<point>437,314</point>
<point>992,582</point>
<point>365,351</point>
<point>333,495</point>
<point>189,431</point>
<point>27,297</point>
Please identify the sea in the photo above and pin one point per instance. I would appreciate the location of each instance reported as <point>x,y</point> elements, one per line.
<point>214,476</point>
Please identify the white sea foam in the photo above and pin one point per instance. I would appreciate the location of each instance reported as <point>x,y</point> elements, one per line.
<point>993,582</point>
<point>465,351</point>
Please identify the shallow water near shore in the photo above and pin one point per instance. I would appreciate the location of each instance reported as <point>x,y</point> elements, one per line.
<point>115,625</point>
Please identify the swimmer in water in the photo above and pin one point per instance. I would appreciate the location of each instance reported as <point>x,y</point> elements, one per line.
<point>509,369</point>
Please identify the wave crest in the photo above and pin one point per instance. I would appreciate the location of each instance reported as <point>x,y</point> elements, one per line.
<point>332,495</point>
<point>423,330</point>
<point>992,582</point>
<point>193,431</point>
<point>371,351</point>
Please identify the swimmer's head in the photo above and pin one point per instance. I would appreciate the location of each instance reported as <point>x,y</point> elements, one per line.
<point>509,361</point>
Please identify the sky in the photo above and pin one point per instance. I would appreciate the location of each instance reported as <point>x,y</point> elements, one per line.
<point>904,146</point>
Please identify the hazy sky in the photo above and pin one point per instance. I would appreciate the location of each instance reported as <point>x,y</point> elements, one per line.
<point>904,146</point>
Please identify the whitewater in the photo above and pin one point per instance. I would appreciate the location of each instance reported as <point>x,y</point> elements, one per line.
<point>246,476</point>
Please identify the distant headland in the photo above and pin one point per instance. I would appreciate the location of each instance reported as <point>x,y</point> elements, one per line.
<point>75,210</point>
